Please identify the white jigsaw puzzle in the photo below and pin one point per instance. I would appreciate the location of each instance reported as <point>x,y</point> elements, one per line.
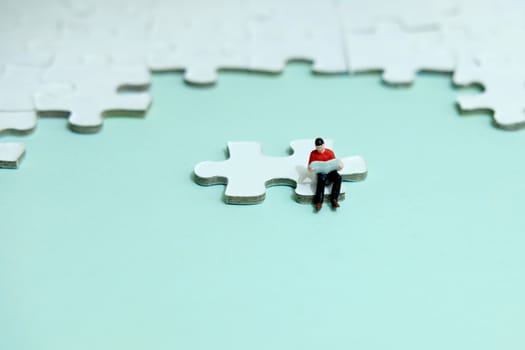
<point>248,172</point>
<point>56,41</point>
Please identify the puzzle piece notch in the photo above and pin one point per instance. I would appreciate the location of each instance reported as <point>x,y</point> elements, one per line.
<point>11,154</point>
<point>96,84</point>
<point>247,172</point>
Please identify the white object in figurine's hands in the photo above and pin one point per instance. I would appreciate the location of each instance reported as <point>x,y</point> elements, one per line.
<point>326,166</point>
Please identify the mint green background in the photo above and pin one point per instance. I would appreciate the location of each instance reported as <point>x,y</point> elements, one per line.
<point>107,243</point>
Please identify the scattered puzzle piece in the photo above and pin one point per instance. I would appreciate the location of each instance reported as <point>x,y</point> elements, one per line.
<point>11,154</point>
<point>247,172</point>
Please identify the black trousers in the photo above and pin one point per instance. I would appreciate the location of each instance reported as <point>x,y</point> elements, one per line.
<point>333,178</point>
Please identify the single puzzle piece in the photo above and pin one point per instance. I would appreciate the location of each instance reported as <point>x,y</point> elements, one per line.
<point>11,154</point>
<point>96,84</point>
<point>399,54</point>
<point>504,93</point>
<point>247,172</point>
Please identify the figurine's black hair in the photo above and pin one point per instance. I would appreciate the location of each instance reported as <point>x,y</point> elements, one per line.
<point>319,141</point>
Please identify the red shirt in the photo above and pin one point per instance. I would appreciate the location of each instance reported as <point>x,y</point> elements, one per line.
<point>328,154</point>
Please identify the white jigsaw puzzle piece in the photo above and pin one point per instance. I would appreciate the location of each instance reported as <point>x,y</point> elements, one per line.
<point>399,54</point>
<point>247,172</point>
<point>354,169</point>
<point>412,15</point>
<point>96,85</point>
<point>504,93</point>
<point>17,121</point>
<point>11,154</point>
<point>18,85</point>
<point>283,31</point>
<point>200,37</point>
<point>325,167</point>
<point>116,29</point>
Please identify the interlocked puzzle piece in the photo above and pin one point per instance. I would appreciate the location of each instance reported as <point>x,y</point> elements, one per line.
<point>116,29</point>
<point>399,54</point>
<point>11,154</point>
<point>201,45</point>
<point>96,84</point>
<point>247,172</point>
<point>412,15</point>
<point>295,29</point>
<point>504,94</point>
<point>326,166</point>
<point>17,109</point>
<point>18,84</point>
<point>16,30</point>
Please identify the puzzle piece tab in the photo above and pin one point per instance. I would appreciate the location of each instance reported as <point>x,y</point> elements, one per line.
<point>399,54</point>
<point>217,38</point>
<point>504,94</point>
<point>247,172</point>
<point>96,84</point>
<point>18,85</point>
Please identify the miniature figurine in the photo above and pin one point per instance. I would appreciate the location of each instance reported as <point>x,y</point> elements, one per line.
<point>323,154</point>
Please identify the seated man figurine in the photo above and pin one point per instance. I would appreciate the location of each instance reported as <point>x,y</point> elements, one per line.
<point>323,154</point>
